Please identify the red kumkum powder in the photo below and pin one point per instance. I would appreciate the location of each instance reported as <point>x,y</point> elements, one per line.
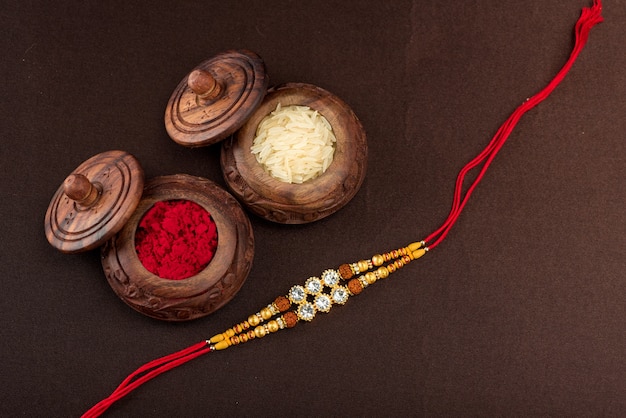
<point>176,239</point>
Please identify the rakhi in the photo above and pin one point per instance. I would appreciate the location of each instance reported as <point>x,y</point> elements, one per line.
<point>316,295</point>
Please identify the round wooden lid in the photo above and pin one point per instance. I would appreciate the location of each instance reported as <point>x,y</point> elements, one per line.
<point>216,98</point>
<point>94,202</point>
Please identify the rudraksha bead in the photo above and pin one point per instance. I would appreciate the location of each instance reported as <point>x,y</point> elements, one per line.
<point>355,287</point>
<point>345,271</point>
<point>291,319</point>
<point>282,303</point>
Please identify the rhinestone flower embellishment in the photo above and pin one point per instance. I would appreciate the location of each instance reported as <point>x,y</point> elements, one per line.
<point>313,286</point>
<point>330,277</point>
<point>296,294</point>
<point>306,311</point>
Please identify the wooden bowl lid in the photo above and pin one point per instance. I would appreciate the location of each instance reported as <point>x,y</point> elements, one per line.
<point>216,98</point>
<point>94,202</point>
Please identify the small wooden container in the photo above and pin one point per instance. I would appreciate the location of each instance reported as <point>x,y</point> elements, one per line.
<point>197,109</point>
<point>101,204</point>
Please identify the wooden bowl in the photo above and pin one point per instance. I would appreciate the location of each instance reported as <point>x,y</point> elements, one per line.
<point>196,296</point>
<point>314,199</point>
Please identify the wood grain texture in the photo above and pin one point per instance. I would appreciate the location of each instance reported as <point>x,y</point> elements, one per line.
<point>216,98</point>
<point>196,296</point>
<point>104,190</point>
<point>312,200</point>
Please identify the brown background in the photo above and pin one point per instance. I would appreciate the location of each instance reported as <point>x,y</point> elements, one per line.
<point>520,312</point>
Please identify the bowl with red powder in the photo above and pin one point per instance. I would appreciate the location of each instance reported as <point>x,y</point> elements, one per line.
<point>184,253</point>
<point>174,247</point>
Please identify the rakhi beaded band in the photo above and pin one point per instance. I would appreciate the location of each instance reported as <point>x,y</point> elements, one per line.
<point>317,294</point>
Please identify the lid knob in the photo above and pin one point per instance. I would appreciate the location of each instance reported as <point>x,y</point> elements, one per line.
<point>78,188</point>
<point>216,98</point>
<point>94,202</point>
<point>204,85</point>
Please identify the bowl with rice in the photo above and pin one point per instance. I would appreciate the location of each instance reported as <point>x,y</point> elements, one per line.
<point>299,157</point>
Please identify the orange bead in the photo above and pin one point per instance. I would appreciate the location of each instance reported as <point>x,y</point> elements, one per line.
<point>355,287</point>
<point>345,271</point>
<point>282,303</point>
<point>290,318</point>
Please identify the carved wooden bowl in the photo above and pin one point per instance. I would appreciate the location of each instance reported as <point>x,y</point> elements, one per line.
<point>314,199</point>
<point>101,204</point>
<point>196,296</point>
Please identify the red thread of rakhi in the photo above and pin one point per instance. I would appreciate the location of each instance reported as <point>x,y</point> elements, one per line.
<point>236,335</point>
<point>176,239</point>
<point>589,17</point>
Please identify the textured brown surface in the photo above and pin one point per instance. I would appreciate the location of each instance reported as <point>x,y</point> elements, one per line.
<point>196,296</point>
<point>216,98</point>
<point>519,312</point>
<point>314,199</point>
<point>94,202</point>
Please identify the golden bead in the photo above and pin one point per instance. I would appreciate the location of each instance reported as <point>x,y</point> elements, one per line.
<point>229,333</point>
<point>363,266</point>
<point>243,338</point>
<point>260,332</point>
<point>266,313</point>
<point>378,260</point>
<point>391,268</point>
<point>382,272</point>
<point>370,277</point>
<point>254,320</point>
<point>273,326</point>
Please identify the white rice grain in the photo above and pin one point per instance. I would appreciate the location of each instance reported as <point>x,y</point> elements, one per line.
<point>294,144</point>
